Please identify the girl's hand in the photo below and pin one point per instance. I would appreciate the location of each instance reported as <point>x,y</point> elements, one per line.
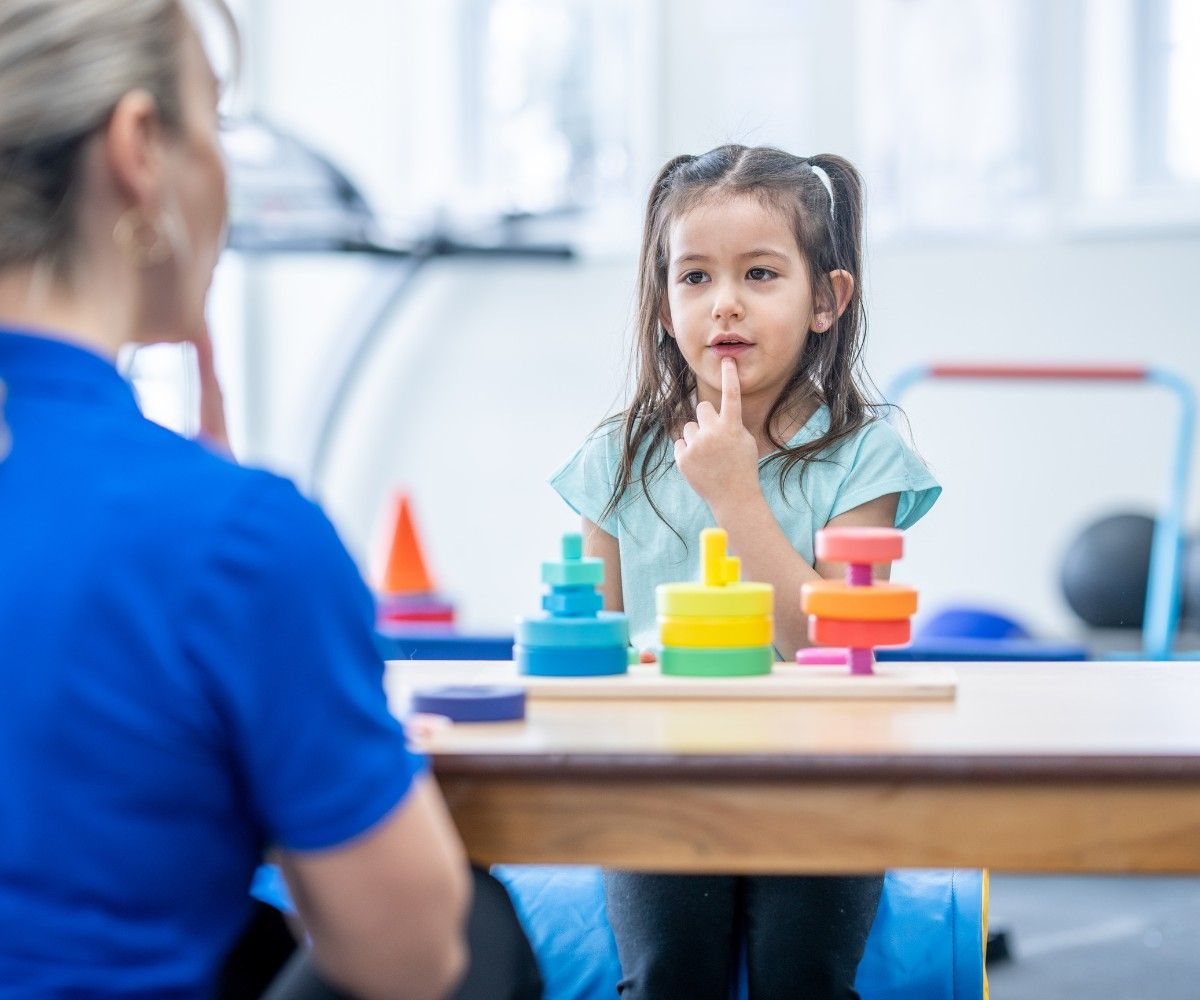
<point>212,401</point>
<point>716,454</point>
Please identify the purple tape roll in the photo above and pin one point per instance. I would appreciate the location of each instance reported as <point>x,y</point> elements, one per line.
<point>471,702</point>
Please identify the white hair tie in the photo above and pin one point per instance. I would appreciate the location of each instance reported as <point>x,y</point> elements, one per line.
<point>823,177</point>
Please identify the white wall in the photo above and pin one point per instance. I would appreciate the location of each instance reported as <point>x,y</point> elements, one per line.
<point>492,374</point>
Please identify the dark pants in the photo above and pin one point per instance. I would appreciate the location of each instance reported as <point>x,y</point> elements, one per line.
<point>501,965</point>
<point>680,935</point>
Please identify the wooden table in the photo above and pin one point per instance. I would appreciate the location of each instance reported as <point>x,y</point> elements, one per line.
<point>1081,767</point>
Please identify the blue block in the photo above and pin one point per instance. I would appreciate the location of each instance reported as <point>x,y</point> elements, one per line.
<point>576,573</point>
<point>609,628</point>
<point>573,602</point>
<point>567,662</point>
<point>471,702</point>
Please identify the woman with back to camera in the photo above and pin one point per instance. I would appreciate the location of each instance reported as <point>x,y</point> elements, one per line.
<point>187,663</point>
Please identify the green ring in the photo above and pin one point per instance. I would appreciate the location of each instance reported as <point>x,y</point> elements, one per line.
<point>745,661</point>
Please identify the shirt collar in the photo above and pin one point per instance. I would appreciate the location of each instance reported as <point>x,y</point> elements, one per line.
<point>44,363</point>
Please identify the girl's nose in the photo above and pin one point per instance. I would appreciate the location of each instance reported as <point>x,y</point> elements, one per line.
<point>726,304</point>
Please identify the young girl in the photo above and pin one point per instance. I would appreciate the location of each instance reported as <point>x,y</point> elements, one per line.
<point>748,414</point>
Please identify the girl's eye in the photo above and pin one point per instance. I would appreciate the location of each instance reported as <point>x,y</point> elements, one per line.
<point>760,274</point>
<point>694,278</point>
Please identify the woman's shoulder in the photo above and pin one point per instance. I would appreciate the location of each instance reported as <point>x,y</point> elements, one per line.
<point>185,497</point>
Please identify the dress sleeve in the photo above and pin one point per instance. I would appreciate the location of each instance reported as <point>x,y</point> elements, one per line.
<point>282,630</point>
<point>585,482</point>
<point>878,463</point>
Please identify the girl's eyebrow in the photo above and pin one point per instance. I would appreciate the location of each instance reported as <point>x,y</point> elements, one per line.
<point>699,258</point>
<point>766,252</point>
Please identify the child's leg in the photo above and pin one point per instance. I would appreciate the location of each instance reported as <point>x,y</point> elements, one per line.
<point>674,934</point>
<point>805,935</point>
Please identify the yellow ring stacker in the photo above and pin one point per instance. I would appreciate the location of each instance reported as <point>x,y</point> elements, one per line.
<point>720,594</point>
<point>719,627</point>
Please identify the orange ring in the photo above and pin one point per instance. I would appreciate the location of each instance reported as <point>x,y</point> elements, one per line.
<point>879,602</point>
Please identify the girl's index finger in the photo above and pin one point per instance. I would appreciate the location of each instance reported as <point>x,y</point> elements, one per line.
<point>731,391</point>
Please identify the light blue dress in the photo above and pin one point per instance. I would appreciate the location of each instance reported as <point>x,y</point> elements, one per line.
<point>872,463</point>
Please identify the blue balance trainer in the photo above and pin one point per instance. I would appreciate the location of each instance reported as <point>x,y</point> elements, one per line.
<point>574,638</point>
<point>927,941</point>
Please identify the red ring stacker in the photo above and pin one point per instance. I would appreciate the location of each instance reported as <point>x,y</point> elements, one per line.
<point>859,614</point>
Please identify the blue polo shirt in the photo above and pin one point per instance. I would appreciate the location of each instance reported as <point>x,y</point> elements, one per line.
<point>187,676</point>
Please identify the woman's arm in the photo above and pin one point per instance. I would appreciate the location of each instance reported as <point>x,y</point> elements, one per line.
<point>599,543</point>
<point>385,911</point>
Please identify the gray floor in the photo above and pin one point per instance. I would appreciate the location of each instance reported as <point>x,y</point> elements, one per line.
<point>1103,938</point>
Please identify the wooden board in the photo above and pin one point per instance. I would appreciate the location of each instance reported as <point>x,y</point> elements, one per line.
<point>787,681</point>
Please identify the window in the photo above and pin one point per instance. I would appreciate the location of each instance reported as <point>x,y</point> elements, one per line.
<point>949,114</point>
<point>547,97</point>
<point>1141,136</point>
<point>1006,116</point>
<point>1181,148</point>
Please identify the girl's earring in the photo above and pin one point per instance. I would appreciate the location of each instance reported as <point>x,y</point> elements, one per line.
<point>143,240</point>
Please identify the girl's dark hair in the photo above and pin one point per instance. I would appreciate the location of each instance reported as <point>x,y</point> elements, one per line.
<point>829,369</point>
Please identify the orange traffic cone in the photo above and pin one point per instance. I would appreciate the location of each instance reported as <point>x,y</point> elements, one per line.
<point>405,571</point>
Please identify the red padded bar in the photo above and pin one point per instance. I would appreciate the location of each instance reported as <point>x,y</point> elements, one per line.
<point>1061,373</point>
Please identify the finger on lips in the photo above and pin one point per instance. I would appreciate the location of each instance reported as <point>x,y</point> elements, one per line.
<point>731,389</point>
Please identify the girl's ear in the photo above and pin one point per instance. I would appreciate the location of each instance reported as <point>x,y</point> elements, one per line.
<point>664,317</point>
<point>843,289</point>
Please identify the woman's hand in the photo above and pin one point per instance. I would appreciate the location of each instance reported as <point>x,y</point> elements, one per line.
<point>212,401</point>
<point>716,454</point>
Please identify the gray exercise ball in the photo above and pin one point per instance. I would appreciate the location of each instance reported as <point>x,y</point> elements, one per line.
<point>1105,569</point>
<point>1191,583</point>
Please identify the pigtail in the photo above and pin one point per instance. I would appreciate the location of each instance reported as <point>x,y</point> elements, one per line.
<point>841,372</point>
<point>661,378</point>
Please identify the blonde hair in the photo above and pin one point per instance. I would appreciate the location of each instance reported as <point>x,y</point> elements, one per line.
<point>64,66</point>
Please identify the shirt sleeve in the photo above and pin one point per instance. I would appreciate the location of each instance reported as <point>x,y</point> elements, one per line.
<point>283,630</point>
<point>878,463</point>
<point>585,482</point>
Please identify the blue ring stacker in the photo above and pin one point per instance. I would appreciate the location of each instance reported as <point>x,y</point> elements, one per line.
<point>471,702</point>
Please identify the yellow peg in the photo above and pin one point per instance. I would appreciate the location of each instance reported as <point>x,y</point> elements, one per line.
<point>719,592</point>
<point>712,556</point>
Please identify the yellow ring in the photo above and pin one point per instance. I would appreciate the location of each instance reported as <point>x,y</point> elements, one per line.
<point>715,633</point>
<point>694,600</point>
